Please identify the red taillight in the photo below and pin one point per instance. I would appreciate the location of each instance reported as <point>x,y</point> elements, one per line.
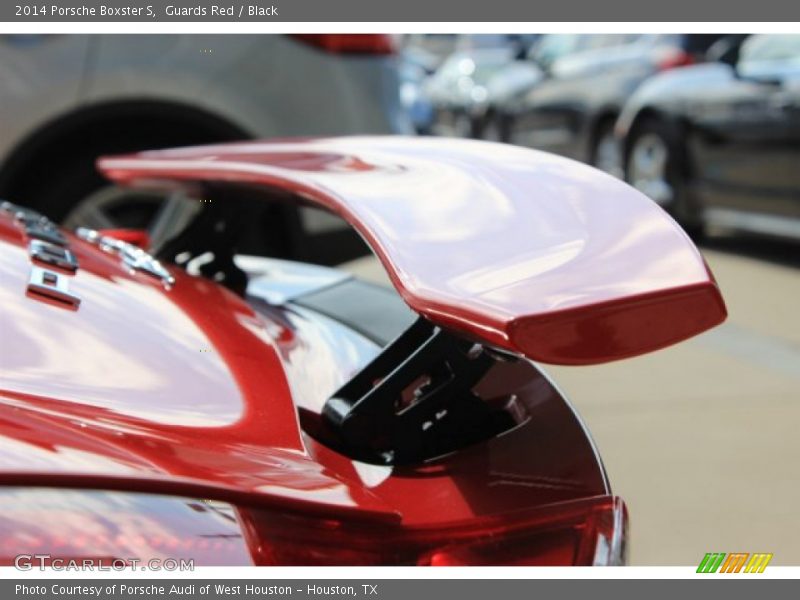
<point>350,43</point>
<point>582,532</point>
<point>672,58</point>
<point>115,528</point>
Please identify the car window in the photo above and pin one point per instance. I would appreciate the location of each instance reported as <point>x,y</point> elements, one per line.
<point>610,40</point>
<point>481,40</point>
<point>551,47</point>
<point>763,48</point>
<point>477,66</point>
<point>699,43</point>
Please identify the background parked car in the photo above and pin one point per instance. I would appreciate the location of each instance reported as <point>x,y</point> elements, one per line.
<point>509,84</point>
<point>108,94</point>
<point>416,65</point>
<point>572,110</point>
<point>458,90</point>
<point>729,395</point>
<point>460,84</point>
<point>439,45</point>
<point>719,143</point>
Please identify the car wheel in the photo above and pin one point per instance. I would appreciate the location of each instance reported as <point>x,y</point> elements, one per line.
<point>653,166</point>
<point>493,129</point>
<point>112,206</point>
<point>462,126</point>
<point>606,154</point>
<point>76,195</point>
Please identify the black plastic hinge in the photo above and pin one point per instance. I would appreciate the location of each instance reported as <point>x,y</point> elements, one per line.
<point>216,231</point>
<point>415,400</point>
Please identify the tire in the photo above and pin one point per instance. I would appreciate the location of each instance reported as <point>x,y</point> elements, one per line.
<point>72,180</point>
<point>493,128</point>
<point>463,126</point>
<point>74,194</point>
<point>71,177</point>
<point>655,165</point>
<point>605,153</point>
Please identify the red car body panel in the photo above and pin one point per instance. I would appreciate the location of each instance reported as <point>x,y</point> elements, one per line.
<point>185,391</point>
<point>191,391</point>
<point>528,251</point>
<point>170,389</point>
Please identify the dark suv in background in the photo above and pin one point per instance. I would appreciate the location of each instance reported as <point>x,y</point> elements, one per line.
<point>719,143</point>
<point>571,110</point>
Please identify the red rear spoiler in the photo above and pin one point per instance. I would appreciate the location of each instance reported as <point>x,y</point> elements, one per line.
<point>523,250</point>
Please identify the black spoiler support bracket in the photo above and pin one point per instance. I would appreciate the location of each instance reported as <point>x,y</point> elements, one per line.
<point>415,400</point>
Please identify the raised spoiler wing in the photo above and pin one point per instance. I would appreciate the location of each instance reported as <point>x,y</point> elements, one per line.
<point>520,249</point>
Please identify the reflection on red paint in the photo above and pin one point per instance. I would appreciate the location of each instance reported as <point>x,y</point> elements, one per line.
<point>505,244</point>
<point>108,527</point>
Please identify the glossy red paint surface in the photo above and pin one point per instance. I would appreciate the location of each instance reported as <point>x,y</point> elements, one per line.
<point>562,534</point>
<point>527,251</point>
<point>174,391</point>
<point>75,524</point>
<point>191,391</point>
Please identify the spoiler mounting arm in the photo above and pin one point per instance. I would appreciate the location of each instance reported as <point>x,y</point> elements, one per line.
<point>415,400</point>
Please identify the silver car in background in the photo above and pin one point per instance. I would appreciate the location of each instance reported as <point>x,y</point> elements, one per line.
<point>67,99</point>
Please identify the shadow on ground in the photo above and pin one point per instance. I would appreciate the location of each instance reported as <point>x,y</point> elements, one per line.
<point>782,252</point>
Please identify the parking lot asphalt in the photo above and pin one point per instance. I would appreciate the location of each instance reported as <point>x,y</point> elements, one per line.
<point>702,439</point>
